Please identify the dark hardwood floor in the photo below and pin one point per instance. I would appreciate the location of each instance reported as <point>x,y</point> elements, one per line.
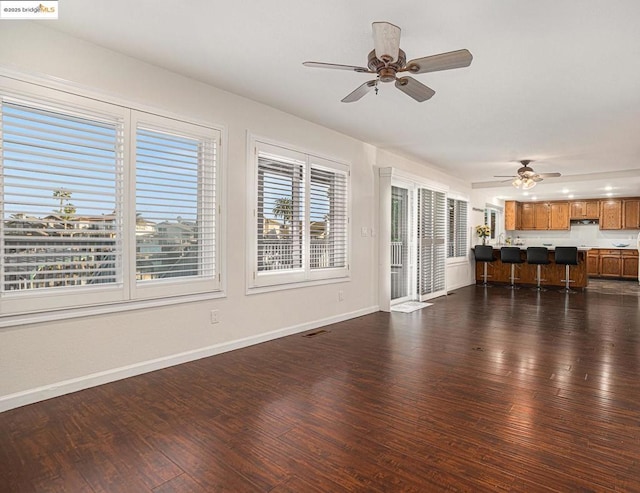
<point>486,390</point>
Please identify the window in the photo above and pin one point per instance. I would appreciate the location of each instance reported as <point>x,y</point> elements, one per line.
<point>457,231</point>
<point>491,217</point>
<point>175,206</point>
<point>72,232</point>
<point>299,218</point>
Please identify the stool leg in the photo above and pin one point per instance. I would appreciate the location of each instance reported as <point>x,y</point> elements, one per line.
<point>513,277</point>
<point>539,278</point>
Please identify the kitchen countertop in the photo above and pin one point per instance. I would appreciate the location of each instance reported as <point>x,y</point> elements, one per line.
<point>551,248</point>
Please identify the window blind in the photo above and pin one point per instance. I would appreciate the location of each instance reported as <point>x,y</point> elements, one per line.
<point>431,241</point>
<point>175,205</point>
<point>300,217</point>
<point>328,218</point>
<point>457,231</point>
<point>61,198</point>
<point>280,214</point>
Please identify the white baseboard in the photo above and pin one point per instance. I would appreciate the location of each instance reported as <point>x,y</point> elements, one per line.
<point>18,399</point>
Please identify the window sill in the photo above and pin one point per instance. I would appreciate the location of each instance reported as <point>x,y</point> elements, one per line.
<point>294,285</point>
<point>103,309</point>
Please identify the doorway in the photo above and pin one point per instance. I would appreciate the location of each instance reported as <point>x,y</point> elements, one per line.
<point>413,252</point>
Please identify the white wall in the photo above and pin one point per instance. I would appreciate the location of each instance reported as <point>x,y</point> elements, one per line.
<point>46,359</point>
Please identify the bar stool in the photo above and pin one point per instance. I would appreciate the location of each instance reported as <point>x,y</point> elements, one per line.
<point>484,254</point>
<point>538,256</point>
<point>511,255</point>
<point>567,256</point>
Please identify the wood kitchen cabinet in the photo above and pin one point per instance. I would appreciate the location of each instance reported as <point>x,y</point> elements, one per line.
<point>512,215</point>
<point>584,209</point>
<point>593,259</point>
<point>631,214</point>
<point>629,259</point>
<point>611,214</point>
<point>527,216</point>
<point>559,215</point>
<point>541,215</point>
<point>610,264</point>
<point>541,212</point>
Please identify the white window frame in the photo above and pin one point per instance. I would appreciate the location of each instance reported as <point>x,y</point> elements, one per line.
<point>27,306</point>
<point>179,285</point>
<point>260,281</point>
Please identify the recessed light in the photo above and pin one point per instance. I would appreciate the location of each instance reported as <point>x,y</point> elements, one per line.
<point>565,190</point>
<point>570,196</point>
<point>609,194</point>
<point>526,194</point>
<point>608,188</point>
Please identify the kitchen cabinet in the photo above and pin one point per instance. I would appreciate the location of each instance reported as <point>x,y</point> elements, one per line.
<point>540,215</point>
<point>512,215</point>
<point>631,214</point>
<point>541,212</point>
<point>629,259</point>
<point>527,216</point>
<point>593,259</point>
<point>559,215</point>
<point>584,209</point>
<point>611,214</point>
<point>612,263</point>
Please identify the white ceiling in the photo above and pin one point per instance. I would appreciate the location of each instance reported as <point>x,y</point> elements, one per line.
<point>557,81</point>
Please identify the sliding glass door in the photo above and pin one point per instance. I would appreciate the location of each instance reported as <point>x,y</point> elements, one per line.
<point>417,243</point>
<point>401,286</point>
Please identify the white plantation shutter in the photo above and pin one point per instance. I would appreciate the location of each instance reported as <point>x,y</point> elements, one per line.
<point>61,199</point>
<point>431,241</point>
<point>280,213</point>
<point>457,240</point>
<point>300,217</point>
<point>328,218</point>
<point>175,205</point>
<point>102,204</point>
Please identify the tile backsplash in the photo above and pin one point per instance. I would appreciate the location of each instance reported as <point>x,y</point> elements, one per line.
<point>579,235</point>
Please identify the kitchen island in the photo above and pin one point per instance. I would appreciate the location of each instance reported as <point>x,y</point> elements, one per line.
<point>552,274</point>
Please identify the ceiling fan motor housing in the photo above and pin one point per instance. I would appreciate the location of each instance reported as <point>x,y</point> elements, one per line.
<point>386,71</point>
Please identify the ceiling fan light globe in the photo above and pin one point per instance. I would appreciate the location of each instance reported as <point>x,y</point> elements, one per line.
<point>528,184</point>
<point>517,182</point>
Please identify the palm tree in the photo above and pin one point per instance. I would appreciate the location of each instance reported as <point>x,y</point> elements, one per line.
<point>66,209</point>
<point>283,208</point>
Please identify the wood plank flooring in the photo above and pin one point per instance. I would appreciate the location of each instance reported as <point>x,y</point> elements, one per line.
<point>486,390</point>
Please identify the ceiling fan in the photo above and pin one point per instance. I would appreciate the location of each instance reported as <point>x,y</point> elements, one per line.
<point>387,60</point>
<point>526,178</point>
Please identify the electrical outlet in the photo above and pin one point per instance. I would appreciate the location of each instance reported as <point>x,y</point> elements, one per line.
<point>340,295</point>
<point>364,232</point>
<point>215,316</point>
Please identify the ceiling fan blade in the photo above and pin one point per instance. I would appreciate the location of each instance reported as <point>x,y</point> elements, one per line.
<point>417,90</point>
<point>386,41</point>
<point>443,61</point>
<point>549,175</point>
<point>360,91</point>
<point>337,66</point>
<point>504,176</point>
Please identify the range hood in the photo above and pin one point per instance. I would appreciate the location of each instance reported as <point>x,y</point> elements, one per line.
<point>583,221</point>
